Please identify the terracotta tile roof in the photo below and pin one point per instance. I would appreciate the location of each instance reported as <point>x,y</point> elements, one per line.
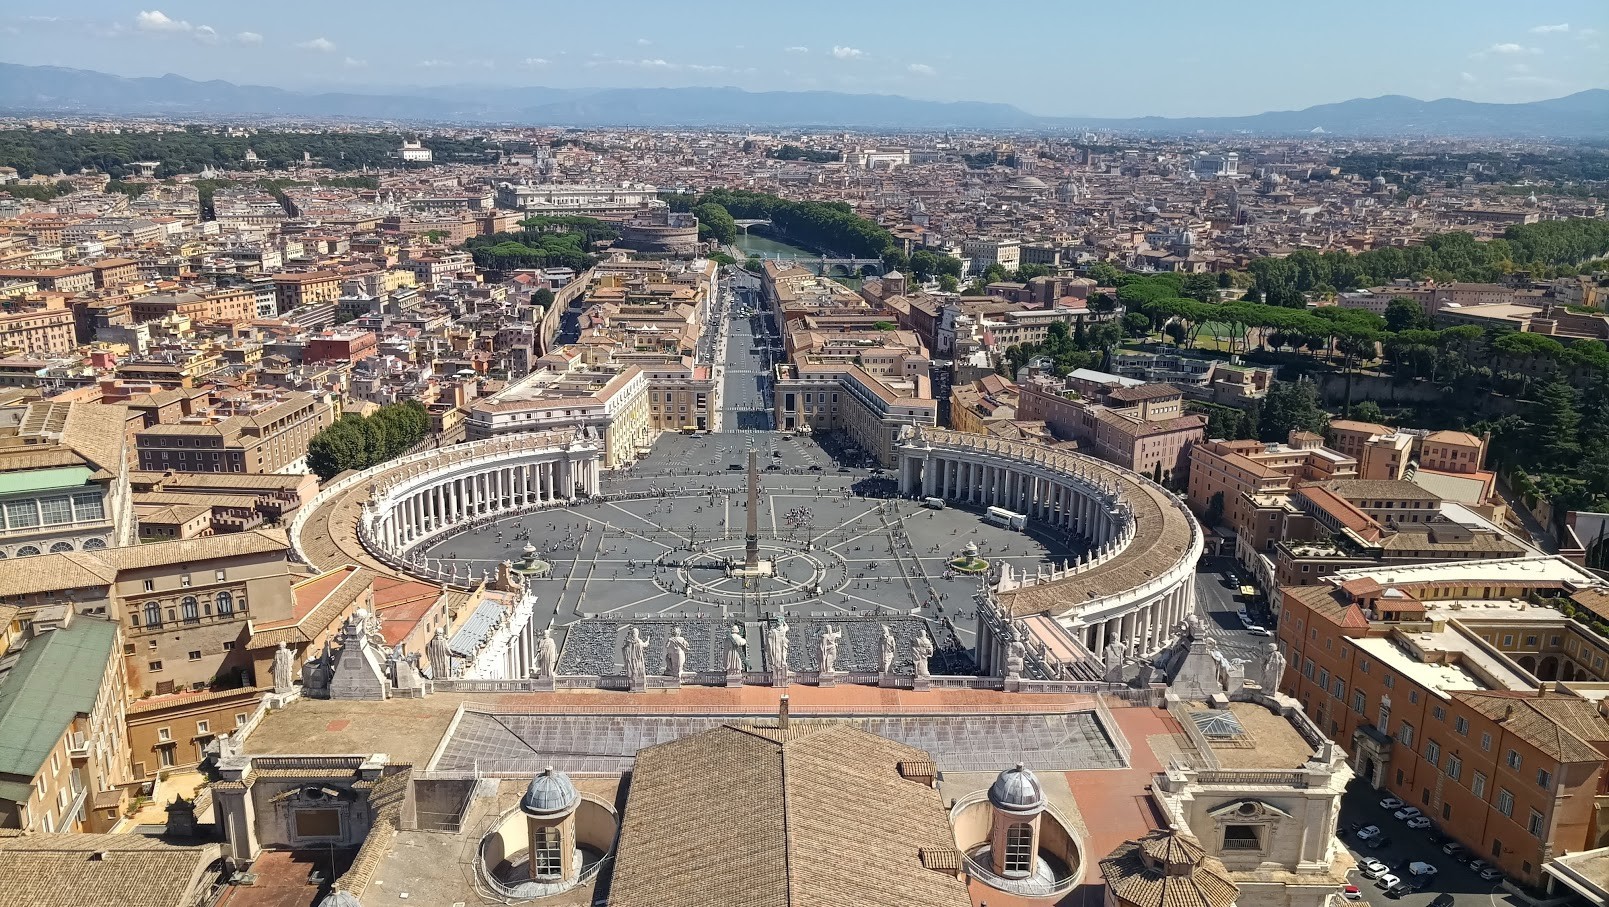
<point>1167,869</point>
<point>755,816</point>
<point>63,870</point>
<point>1550,722</point>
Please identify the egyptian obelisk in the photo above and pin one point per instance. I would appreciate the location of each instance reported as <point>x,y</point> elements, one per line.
<point>751,537</point>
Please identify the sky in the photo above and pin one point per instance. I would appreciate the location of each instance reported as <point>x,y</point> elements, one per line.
<point>1066,58</point>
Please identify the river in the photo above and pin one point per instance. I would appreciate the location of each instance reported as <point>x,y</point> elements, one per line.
<point>766,247</point>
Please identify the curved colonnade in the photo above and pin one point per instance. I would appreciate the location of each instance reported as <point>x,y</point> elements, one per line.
<point>379,517</point>
<point>1134,587</point>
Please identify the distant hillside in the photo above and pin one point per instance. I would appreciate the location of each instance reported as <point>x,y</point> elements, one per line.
<point>52,89</point>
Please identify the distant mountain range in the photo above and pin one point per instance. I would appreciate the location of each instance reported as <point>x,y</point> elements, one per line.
<point>57,90</point>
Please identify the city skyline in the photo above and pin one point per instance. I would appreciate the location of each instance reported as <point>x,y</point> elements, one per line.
<point>1177,64</point>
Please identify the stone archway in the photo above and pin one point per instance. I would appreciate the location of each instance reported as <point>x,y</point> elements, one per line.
<point>1528,662</point>
<point>1568,673</point>
<point>1548,669</point>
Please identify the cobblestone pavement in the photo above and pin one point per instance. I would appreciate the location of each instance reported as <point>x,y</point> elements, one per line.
<point>653,551</point>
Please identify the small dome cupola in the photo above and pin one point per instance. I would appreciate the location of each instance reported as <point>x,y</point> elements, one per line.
<point>549,796</point>
<point>1017,791</point>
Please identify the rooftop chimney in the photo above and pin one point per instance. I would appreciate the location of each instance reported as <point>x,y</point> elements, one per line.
<point>782,713</point>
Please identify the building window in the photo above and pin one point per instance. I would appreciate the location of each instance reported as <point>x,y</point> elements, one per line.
<point>1358,703</point>
<point>195,654</point>
<point>1513,759</point>
<point>1461,725</point>
<point>1439,712</point>
<point>1486,743</point>
<point>188,608</point>
<point>226,602</point>
<point>203,727</point>
<point>1543,778</point>
<point>155,666</point>
<point>1405,734</point>
<point>163,734</point>
<point>240,719</point>
<point>547,855</point>
<point>1019,848</point>
<point>1433,753</point>
<point>1534,826</point>
<point>1477,785</point>
<point>1505,802</point>
<point>150,585</point>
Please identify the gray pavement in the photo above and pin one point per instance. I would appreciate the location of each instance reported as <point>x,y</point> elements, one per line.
<point>1361,806</point>
<point>1215,597</point>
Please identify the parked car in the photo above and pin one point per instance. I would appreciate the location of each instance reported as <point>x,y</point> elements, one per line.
<point>1372,868</point>
<point>1398,890</point>
<point>1386,881</point>
<point>1380,843</point>
<point>1392,803</point>
<point>1368,831</point>
<point>1453,849</point>
<point>1442,900</point>
<point>1407,812</point>
<point>1419,822</point>
<point>1478,865</point>
<point>1352,893</point>
<point>1256,630</point>
<point>1491,873</point>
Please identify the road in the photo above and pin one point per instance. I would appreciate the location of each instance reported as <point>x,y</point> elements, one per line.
<point>1215,596</point>
<point>745,358</point>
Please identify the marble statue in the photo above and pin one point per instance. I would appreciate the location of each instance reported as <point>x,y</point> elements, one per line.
<point>1112,658</point>
<point>777,648</point>
<point>829,649</point>
<point>547,655</point>
<point>1273,668</point>
<point>1016,653</point>
<point>675,653</point>
<point>633,654</point>
<point>885,661</point>
<point>284,660</point>
<point>405,671</point>
<point>440,658</point>
<point>921,651</point>
<point>1194,626</point>
<point>735,644</point>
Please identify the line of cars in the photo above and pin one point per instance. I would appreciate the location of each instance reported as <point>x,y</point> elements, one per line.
<point>1250,623</point>
<point>1401,876</point>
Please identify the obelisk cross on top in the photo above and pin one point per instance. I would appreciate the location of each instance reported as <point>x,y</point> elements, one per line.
<point>751,538</point>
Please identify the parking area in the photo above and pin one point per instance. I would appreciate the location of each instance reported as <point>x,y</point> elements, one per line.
<point>1400,846</point>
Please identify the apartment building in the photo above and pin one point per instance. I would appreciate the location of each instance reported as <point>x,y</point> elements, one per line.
<point>982,252</point>
<point>63,478</point>
<point>1142,427</point>
<point>871,409</point>
<point>111,273</point>
<point>37,327</point>
<point>223,306</point>
<point>63,751</point>
<point>1443,684</point>
<point>70,280</point>
<point>266,432</point>
<point>294,291</point>
<point>1342,524</point>
<point>563,394</point>
<point>976,405</point>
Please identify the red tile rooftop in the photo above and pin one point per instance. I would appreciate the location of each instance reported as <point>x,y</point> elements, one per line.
<point>282,878</point>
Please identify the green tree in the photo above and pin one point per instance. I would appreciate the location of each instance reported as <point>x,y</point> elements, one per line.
<point>1368,411</point>
<point>1404,314</point>
<point>715,222</point>
<point>1215,509</point>
<point>948,283</point>
<point>1136,324</point>
<point>1291,405</point>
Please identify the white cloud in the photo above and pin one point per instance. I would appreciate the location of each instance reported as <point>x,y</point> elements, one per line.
<point>354,63</point>
<point>1510,49</point>
<point>1468,78</point>
<point>921,69</point>
<point>643,42</point>
<point>1551,29</point>
<point>796,49</point>
<point>847,53</point>
<point>434,64</point>
<point>206,34</point>
<point>659,64</point>
<point>533,62</point>
<point>248,37</point>
<point>158,21</point>
<point>322,45</point>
